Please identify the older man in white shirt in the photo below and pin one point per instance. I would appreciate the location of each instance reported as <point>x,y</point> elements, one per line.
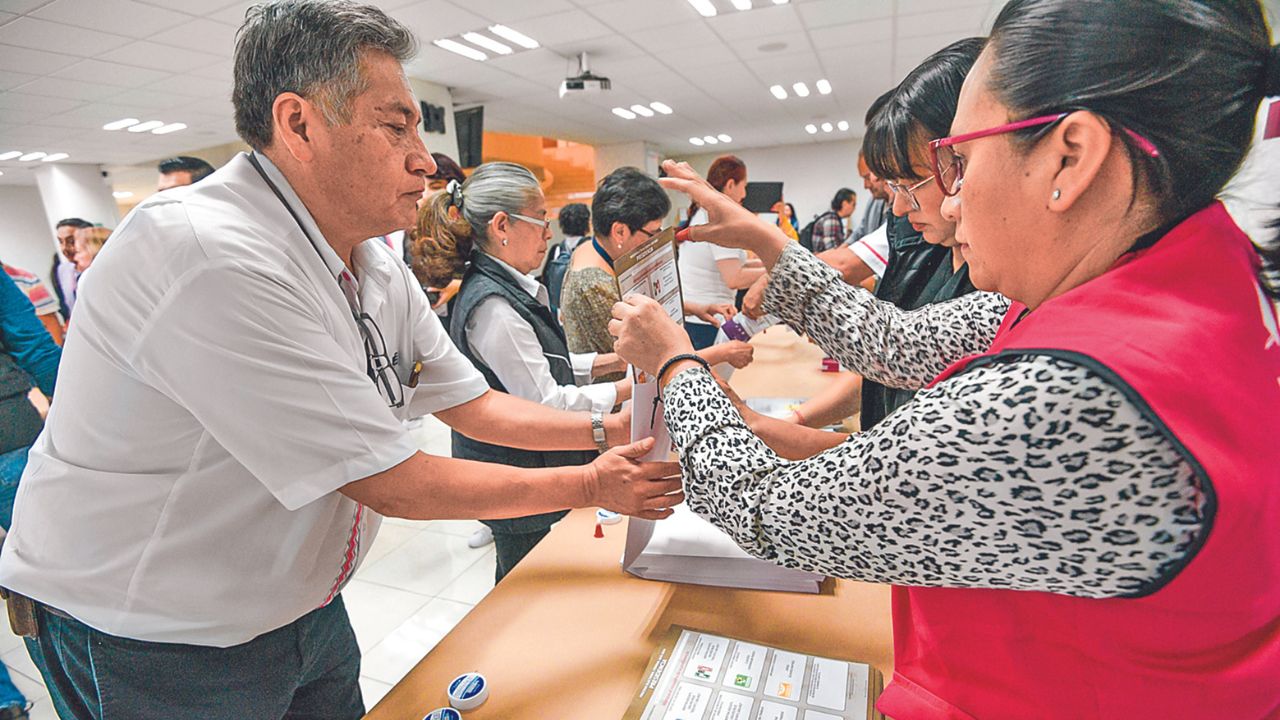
<point>229,426</point>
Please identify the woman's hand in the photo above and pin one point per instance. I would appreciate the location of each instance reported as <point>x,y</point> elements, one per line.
<point>646,335</point>
<point>734,352</point>
<point>447,292</point>
<point>728,223</point>
<point>753,301</point>
<point>706,312</point>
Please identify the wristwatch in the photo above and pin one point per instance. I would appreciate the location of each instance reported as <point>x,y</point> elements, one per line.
<point>597,431</point>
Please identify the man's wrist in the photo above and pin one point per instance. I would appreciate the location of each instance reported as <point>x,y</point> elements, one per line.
<point>598,433</point>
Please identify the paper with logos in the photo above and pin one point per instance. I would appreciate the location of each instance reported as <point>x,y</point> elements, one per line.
<point>651,270</point>
<point>694,675</point>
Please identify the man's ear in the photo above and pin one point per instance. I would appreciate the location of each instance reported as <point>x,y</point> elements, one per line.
<point>294,121</point>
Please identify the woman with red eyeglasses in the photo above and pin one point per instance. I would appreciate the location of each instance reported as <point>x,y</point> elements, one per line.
<point>1077,511</point>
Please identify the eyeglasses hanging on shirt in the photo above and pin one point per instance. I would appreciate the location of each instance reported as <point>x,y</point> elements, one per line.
<point>378,365</point>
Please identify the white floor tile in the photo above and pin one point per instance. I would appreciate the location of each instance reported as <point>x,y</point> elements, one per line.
<point>426,564</point>
<point>8,641</point>
<point>32,688</point>
<point>461,528</point>
<point>433,437</point>
<point>376,610</point>
<point>391,536</point>
<point>472,585</point>
<point>43,709</point>
<point>19,661</point>
<point>396,655</point>
<point>373,691</point>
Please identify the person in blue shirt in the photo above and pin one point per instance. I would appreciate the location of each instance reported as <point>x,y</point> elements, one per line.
<point>27,354</point>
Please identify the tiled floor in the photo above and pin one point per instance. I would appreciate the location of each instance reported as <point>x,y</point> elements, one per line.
<point>418,580</point>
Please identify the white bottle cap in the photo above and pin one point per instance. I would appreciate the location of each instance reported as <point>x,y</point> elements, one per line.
<point>468,691</point>
<point>607,517</point>
<point>445,713</point>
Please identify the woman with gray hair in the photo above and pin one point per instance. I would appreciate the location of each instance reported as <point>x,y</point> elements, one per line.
<point>493,231</point>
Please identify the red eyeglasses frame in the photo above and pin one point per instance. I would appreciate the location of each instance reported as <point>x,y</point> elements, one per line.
<point>950,191</point>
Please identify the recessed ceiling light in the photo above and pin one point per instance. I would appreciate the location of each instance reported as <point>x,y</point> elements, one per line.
<point>454,46</point>
<point>710,139</point>
<point>486,42</point>
<point>811,128</point>
<point>31,156</point>
<point>1,172</point>
<point>704,7</point>
<point>661,107</point>
<point>779,92</point>
<point>120,124</point>
<point>146,126</point>
<point>801,89</point>
<point>696,141</point>
<point>514,36</point>
<point>641,110</point>
<point>742,4</point>
<point>54,157</point>
<point>121,194</point>
<point>10,155</point>
<point>843,125</point>
<point>781,2</point>
<point>824,87</point>
<point>724,138</point>
<point>624,113</point>
<point>827,127</point>
<point>171,127</point>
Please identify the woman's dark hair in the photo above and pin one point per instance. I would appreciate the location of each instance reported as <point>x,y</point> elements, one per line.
<point>722,170</point>
<point>447,169</point>
<point>920,109</point>
<point>575,219</point>
<point>630,197</point>
<point>843,195</point>
<point>795,217</point>
<point>1188,75</point>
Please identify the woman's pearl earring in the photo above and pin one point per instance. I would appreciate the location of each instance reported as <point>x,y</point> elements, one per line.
<point>1057,194</point>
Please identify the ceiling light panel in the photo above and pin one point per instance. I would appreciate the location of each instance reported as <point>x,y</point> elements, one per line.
<point>121,124</point>
<point>10,155</point>
<point>779,92</point>
<point>742,4</point>
<point>54,157</point>
<point>624,113</point>
<point>487,43</point>
<point>457,48</point>
<point>704,7</point>
<point>514,36</point>
<point>641,110</point>
<point>146,126</point>
<point>661,107</point>
<point>800,89</point>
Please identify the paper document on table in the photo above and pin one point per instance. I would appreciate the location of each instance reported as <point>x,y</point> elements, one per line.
<point>694,675</point>
<point>685,548</point>
<point>651,270</point>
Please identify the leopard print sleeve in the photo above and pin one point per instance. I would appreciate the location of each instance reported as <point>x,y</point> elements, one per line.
<point>1026,474</point>
<point>877,339</point>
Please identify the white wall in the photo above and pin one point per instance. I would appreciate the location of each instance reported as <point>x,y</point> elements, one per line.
<point>26,238</point>
<point>810,173</point>
<point>438,95</point>
<point>637,154</point>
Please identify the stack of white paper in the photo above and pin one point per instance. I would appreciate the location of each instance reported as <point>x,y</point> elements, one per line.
<point>687,549</point>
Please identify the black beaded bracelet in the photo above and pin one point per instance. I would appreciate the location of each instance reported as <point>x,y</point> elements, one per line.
<point>673,360</point>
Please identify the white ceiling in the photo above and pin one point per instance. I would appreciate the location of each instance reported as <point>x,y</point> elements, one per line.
<point>69,66</point>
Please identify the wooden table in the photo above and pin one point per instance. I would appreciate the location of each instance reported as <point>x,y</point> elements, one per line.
<point>567,634</point>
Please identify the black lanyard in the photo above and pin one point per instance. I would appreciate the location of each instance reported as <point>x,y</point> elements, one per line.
<point>603,255</point>
<point>253,160</point>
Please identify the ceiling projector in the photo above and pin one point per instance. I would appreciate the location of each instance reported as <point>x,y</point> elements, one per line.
<point>584,81</point>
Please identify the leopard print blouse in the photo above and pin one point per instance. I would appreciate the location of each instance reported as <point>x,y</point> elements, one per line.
<point>1029,473</point>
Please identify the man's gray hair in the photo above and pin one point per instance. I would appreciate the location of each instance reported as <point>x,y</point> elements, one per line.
<point>312,48</point>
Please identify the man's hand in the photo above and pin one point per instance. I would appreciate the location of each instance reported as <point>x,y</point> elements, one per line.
<point>617,481</point>
<point>753,301</point>
<point>617,428</point>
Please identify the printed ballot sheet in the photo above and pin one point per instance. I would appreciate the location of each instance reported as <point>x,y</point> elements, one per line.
<point>651,270</point>
<point>698,676</point>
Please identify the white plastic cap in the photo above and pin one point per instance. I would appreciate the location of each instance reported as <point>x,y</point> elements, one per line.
<point>468,691</point>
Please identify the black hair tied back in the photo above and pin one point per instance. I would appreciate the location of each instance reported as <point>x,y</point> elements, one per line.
<point>1271,82</point>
